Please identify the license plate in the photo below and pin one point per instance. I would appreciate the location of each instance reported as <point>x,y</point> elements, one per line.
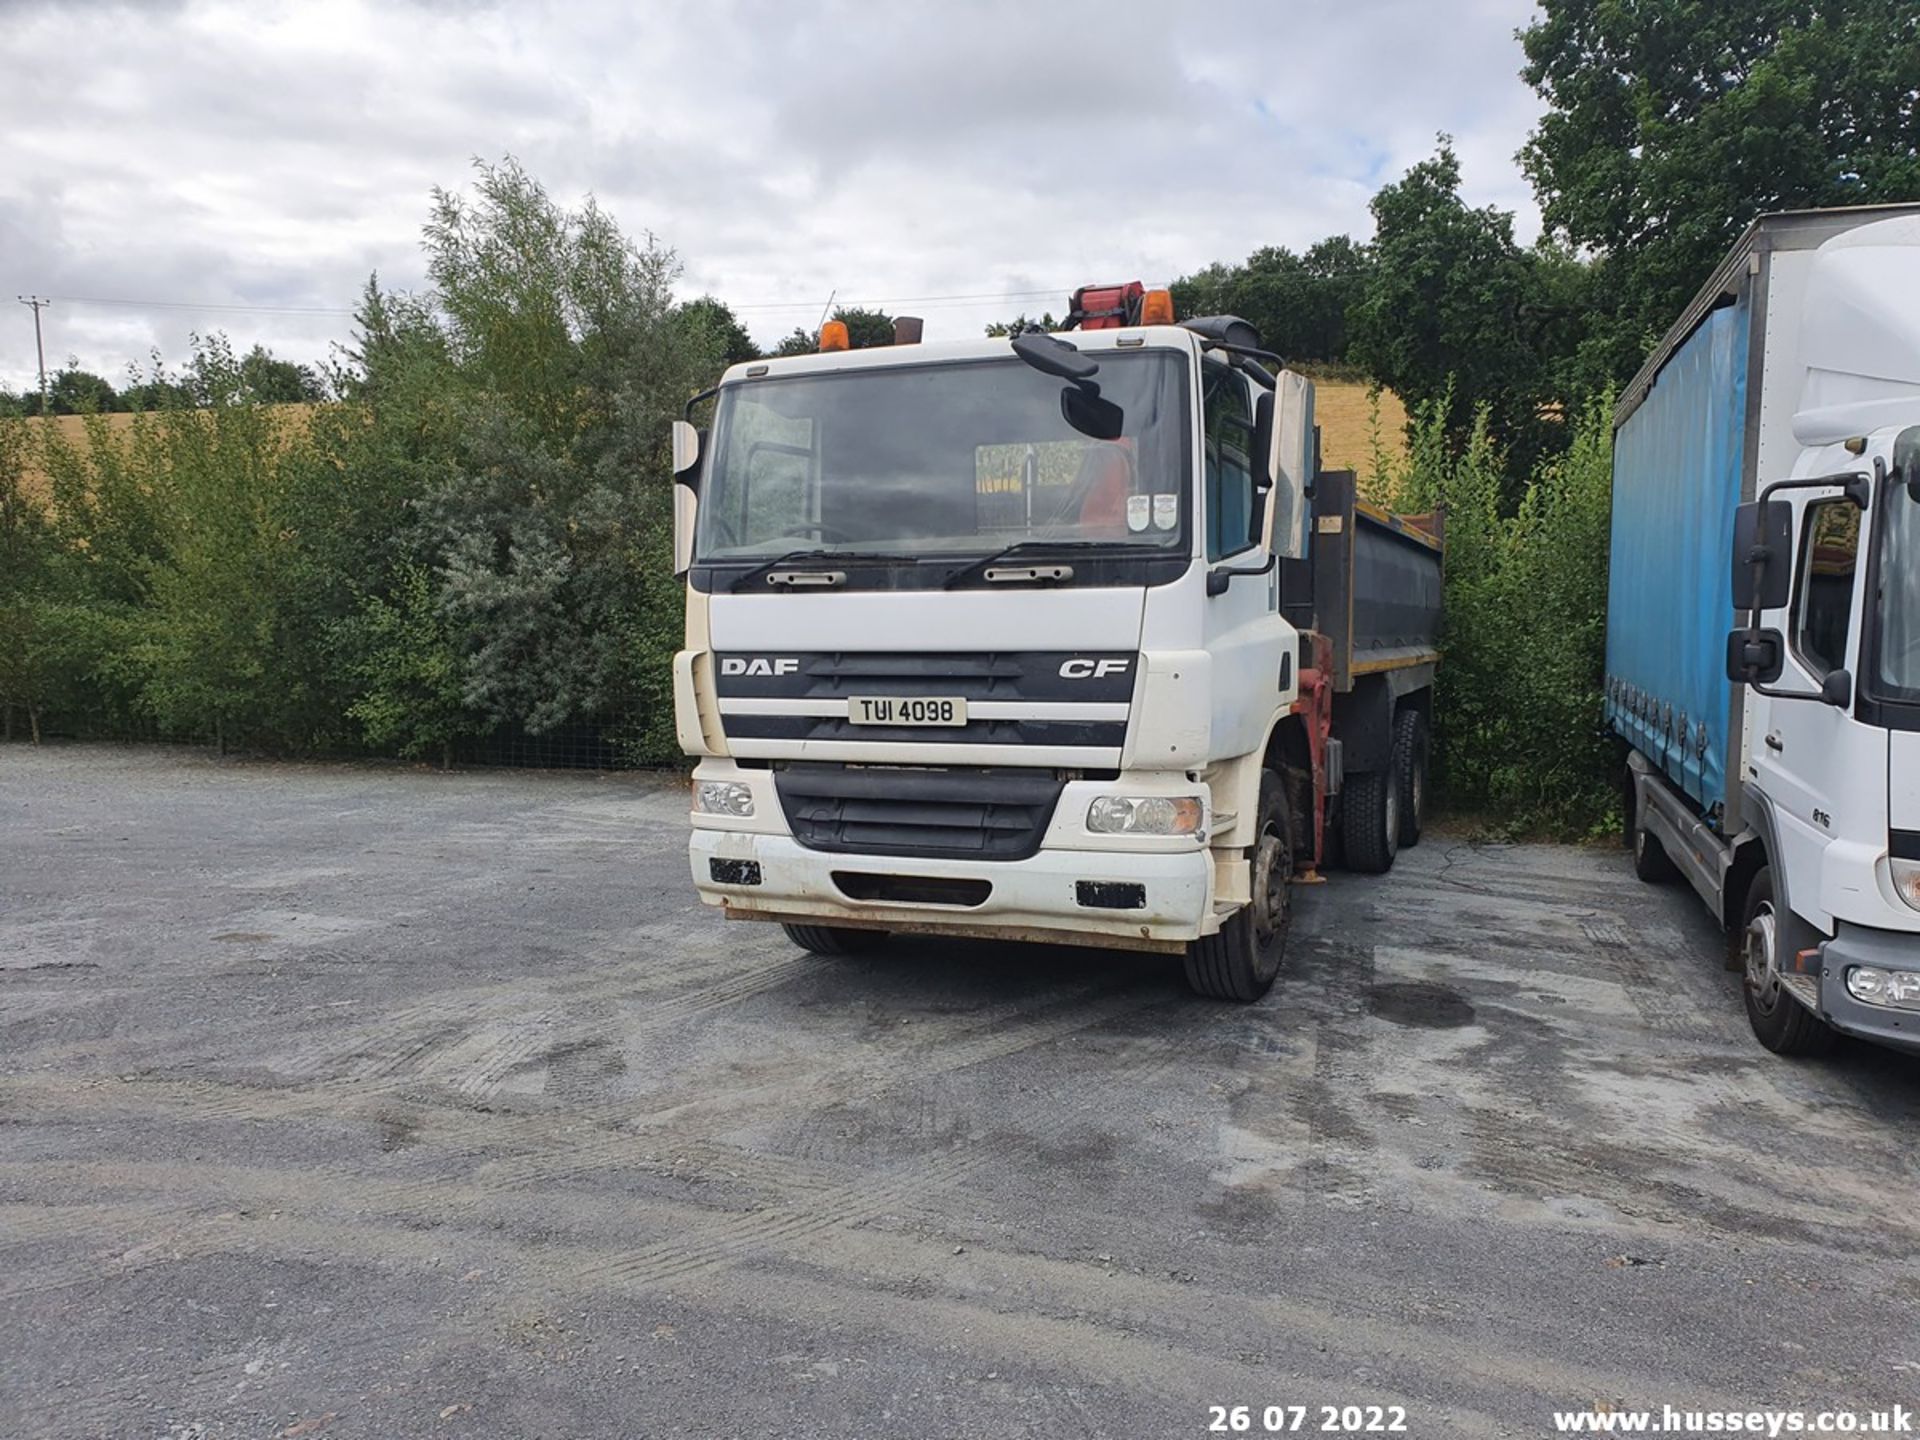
<point>906,710</point>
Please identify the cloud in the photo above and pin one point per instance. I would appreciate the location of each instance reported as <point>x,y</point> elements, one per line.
<point>237,155</point>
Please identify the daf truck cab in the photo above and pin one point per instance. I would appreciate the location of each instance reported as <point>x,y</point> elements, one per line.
<point>1764,620</point>
<point>988,638</point>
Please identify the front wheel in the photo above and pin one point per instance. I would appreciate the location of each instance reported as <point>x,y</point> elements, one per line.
<point>1780,1022</point>
<point>1243,959</point>
<point>835,939</point>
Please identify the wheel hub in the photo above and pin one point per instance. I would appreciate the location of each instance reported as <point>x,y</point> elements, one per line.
<point>1272,870</point>
<point>1762,962</point>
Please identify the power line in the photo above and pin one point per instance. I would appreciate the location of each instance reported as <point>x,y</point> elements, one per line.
<point>195,305</point>
<point>910,299</point>
<point>231,307</point>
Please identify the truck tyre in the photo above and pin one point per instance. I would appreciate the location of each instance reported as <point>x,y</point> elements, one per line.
<point>1410,760</point>
<point>1780,1022</point>
<point>1241,961</point>
<point>1370,817</point>
<point>834,939</point>
<point>1650,859</point>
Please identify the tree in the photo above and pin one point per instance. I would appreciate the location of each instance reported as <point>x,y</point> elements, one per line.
<point>28,626</point>
<point>799,341</point>
<point>224,644</point>
<point>1671,124</point>
<point>272,381</point>
<point>865,329</point>
<point>1021,323</point>
<point>521,412</point>
<point>1298,303</point>
<point>1451,306</point>
<point>712,323</point>
<point>154,392</point>
<point>407,670</point>
<point>72,391</point>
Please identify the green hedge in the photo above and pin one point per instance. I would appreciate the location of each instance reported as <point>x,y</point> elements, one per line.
<point>474,538</point>
<point>1518,707</point>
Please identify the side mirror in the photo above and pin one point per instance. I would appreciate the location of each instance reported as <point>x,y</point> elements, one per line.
<point>1755,657</point>
<point>1906,460</point>
<point>1762,561</point>
<point>1091,413</point>
<point>686,509</point>
<point>686,451</point>
<point>1837,689</point>
<point>1290,452</point>
<point>1260,451</point>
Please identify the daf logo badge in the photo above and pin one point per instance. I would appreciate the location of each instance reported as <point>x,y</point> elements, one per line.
<point>758,665</point>
<point>1092,669</point>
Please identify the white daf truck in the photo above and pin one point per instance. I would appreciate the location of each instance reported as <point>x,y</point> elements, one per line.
<point>1763,627</point>
<point>1015,638</point>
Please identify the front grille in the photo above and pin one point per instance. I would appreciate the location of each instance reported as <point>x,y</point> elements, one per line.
<point>913,889</point>
<point>1044,675</point>
<point>1109,734</point>
<point>984,814</point>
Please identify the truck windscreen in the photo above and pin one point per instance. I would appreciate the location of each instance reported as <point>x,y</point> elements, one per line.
<point>1895,670</point>
<point>949,459</point>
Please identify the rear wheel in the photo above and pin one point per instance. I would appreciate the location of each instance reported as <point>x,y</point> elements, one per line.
<point>834,939</point>
<point>1242,960</point>
<point>1410,758</point>
<point>1370,817</point>
<point>1650,859</point>
<point>1780,1022</point>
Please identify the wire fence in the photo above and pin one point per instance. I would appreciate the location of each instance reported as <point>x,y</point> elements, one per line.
<point>609,745</point>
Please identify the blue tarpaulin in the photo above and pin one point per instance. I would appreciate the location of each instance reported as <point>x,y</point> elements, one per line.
<point>1677,463</point>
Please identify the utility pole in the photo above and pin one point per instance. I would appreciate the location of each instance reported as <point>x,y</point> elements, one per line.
<point>39,348</point>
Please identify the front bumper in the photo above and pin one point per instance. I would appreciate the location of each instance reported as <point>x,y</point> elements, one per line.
<point>1039,898</point>
<point>1884,950</point>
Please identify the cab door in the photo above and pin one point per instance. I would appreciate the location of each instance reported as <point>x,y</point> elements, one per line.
<point>1802,750</point>
<point>1242,627</point>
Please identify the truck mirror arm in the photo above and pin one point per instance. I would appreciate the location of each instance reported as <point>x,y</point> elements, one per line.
<point>1858,487</point>
<point>1856,483</point>
<point>1219,578</point>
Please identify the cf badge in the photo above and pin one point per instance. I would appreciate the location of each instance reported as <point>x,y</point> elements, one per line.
<point>1092,669</point>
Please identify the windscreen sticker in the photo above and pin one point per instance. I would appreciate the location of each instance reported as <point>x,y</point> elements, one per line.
<point>1137,511</point>
<point>1166,512</point>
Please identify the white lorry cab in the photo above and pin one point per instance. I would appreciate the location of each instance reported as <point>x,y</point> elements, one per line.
<point>1763,648</point>
<point>1014,638</point>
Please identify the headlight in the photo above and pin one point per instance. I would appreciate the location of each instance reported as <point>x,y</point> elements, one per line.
<point>722,797</point>
<point>1906,881</point>
<point>1871,986</point>
<point>1145,815</point>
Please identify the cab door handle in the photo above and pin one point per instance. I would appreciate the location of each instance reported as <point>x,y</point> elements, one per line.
<point>1773,743</point>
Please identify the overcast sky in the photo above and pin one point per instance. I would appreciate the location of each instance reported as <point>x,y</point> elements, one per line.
<point>266,156</point>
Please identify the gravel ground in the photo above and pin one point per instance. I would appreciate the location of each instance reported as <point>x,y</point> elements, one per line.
<point>358,1101</point>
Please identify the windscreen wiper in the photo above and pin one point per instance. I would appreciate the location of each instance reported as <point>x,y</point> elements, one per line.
<point>1048,547</point>
<point>809,555</point>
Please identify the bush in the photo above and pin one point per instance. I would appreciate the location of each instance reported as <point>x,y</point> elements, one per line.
<point>1517,723</point>
<point>475,536</point>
